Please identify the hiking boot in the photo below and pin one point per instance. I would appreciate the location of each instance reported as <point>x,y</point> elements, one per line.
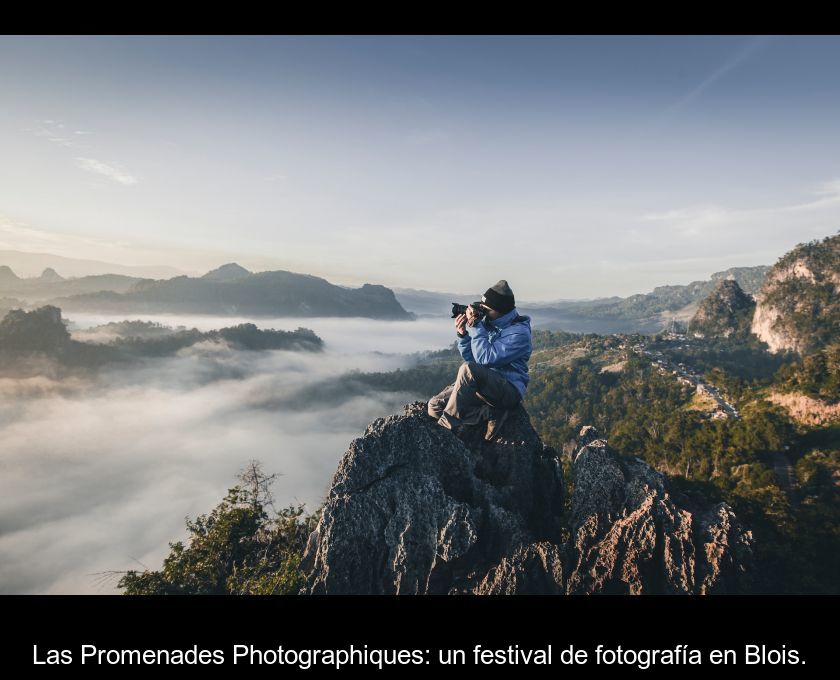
<point>494,425</point>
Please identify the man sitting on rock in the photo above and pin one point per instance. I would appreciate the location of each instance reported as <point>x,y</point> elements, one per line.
<point>494,375</point>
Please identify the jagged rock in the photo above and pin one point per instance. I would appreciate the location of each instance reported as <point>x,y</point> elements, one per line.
<point>536,569</point>
<point>632,534</point>
<point>415,509</point>
<point>798,307</point>
<point>726,312</point>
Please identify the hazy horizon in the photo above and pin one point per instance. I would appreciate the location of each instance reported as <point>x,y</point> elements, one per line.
<point>33,270</point>
<point>572,166</point>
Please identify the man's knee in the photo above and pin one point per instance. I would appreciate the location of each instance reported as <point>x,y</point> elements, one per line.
<point>475,373</point>
<point>468,369</point>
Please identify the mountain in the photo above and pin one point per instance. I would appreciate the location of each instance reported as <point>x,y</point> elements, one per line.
<point>50,275</point>
<point>640,313</point>
<point>38,343</point>
<point>750,279</point>
<point>726,312</point>
<point>50,284</point>
<point>798,307</point>
<point>227,272</point>
<point>664,299</point>
<point>431,303</point>
<point>8,277</point>
<point>416,509</point>
<point>29,264</point>
<point>232,290</point>
<point>41,330</point>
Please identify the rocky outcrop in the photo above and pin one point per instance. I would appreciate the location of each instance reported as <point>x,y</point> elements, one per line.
<point>763,326</point>
<point>806,409</point>
<point>798,307</point>
<point>726,312</point>
<point>632,533</point>
<point>413,508</point>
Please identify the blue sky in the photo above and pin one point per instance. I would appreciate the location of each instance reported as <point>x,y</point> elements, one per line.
<point>572,166</point>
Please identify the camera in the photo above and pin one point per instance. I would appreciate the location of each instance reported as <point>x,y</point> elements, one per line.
<point>462,309</point>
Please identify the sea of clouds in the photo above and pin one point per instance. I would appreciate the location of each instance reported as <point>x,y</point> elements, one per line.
<point>99,473</point>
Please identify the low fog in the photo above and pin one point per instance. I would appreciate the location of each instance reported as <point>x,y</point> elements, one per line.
<point>99,474</point>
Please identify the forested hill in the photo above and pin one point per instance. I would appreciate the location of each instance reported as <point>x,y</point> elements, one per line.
<point>38,342</point>
<point>232,290</point>
<point>798,307</point>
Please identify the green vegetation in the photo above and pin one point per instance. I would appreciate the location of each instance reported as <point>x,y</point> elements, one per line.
<point>738,367</point>
<point>808,306</point>
<point>38,341</point>
<point>817,375</point>
<point>641,413</point>
<point>647,414</point>
<point>726,312</point>
<point>238,549</point>
<point>245,336</point>
<point>541,339</point>
<point>39,331</point>
<point>669,298</point>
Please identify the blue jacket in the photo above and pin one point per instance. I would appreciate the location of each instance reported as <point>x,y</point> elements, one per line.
<point>502,346</point>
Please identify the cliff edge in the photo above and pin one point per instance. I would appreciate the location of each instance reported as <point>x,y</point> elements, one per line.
<point>415,509</point>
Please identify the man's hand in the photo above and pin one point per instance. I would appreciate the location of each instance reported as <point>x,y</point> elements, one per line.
<point>471,317</point>
<point>461,324</point>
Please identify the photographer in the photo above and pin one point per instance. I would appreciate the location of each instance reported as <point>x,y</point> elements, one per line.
<point>493,378</point>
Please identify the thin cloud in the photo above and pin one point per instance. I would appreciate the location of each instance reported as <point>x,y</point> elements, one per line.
<point>698,216</point>
<point>51,136</point>
<point>112,172</point>
<point>720,234</point>
<point>829,193</point>
<point>56,132</point>
<point>716,75</point>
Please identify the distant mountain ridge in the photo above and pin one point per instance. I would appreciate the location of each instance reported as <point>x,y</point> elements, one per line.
<point>51,284</point>
<point>233,290</point>
<point>643,312</point>
<point>28,264</point>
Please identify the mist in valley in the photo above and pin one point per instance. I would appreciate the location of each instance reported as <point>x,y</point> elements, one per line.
<point>100,471</point>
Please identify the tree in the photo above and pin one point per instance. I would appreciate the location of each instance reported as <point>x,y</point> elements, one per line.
<point>237,549</point>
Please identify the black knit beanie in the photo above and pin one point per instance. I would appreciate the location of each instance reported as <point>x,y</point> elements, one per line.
<point>499,297</point>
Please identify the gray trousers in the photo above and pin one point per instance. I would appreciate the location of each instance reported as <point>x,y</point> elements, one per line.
<point>473,395</point>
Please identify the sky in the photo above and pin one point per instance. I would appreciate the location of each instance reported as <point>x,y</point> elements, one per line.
<point>571,166</point>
